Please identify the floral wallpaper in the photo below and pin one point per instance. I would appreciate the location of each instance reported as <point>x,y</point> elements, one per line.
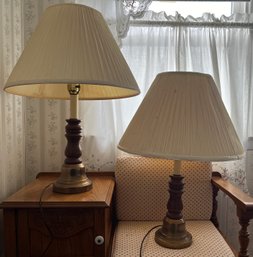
<point>12,140</point>
<point>12,110</point>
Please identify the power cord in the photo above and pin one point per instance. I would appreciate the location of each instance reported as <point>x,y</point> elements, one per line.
<point>146,236</point>
<point>43,216</point>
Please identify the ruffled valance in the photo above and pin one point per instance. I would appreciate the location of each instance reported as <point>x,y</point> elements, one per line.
<point>135,12</point>
<point>207,19</point>
<point>126,9</point>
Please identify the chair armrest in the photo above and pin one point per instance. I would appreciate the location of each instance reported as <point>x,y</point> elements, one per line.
<point>244,207</point>
<point>241,199</point>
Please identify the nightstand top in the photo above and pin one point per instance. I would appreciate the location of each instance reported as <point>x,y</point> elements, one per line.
<point>29,196</point>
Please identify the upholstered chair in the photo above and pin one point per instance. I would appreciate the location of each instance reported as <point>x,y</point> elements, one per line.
<point>141,198</point>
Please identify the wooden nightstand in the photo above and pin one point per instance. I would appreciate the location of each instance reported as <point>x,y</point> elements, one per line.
<point>76,225</point>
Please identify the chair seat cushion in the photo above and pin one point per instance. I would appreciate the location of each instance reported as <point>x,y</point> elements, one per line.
<point>207,241</point>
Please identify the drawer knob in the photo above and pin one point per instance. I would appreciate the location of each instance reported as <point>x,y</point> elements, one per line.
<point>99,240</point>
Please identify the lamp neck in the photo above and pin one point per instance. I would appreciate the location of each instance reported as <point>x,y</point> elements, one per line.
<point>74,90</point>
<point>177,167</point>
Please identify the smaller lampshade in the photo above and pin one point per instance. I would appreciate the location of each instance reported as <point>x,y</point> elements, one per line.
<point>182,117</point>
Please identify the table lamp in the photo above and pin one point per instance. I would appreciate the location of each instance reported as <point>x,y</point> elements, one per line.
<point>72,55</point>
<point>182,117</point>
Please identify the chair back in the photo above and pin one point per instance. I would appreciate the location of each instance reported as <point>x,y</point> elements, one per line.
<point>142,188</point>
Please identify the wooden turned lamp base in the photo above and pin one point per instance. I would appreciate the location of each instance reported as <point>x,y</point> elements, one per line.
<point>173,233</point>
<point>73,178</point>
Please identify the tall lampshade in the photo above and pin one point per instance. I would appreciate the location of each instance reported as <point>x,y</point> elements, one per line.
<point>182,117</point>
<point>72,55</point>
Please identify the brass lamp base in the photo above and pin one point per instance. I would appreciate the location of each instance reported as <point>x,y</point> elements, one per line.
<point>173,234</point>
<point>72,180</point>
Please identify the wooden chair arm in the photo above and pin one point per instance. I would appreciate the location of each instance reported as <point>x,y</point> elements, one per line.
<point>244,207</point>
<point>241,199</point>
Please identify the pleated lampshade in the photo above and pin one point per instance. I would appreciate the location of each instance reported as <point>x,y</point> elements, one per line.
<point>72,45</point>
<point>182,117</point>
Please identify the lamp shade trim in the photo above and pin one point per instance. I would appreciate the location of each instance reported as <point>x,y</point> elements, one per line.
<point>90,90</point>
<point>184,157</point>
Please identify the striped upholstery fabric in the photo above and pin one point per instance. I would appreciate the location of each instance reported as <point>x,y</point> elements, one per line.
<point>141,197</point>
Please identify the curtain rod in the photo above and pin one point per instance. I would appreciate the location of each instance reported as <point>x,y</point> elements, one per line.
<point>192,24</point>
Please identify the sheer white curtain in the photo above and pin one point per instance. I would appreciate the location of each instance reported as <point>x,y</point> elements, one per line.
<point>242,7</point>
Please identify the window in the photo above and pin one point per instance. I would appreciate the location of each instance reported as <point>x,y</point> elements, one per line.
<point>195,9</point>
